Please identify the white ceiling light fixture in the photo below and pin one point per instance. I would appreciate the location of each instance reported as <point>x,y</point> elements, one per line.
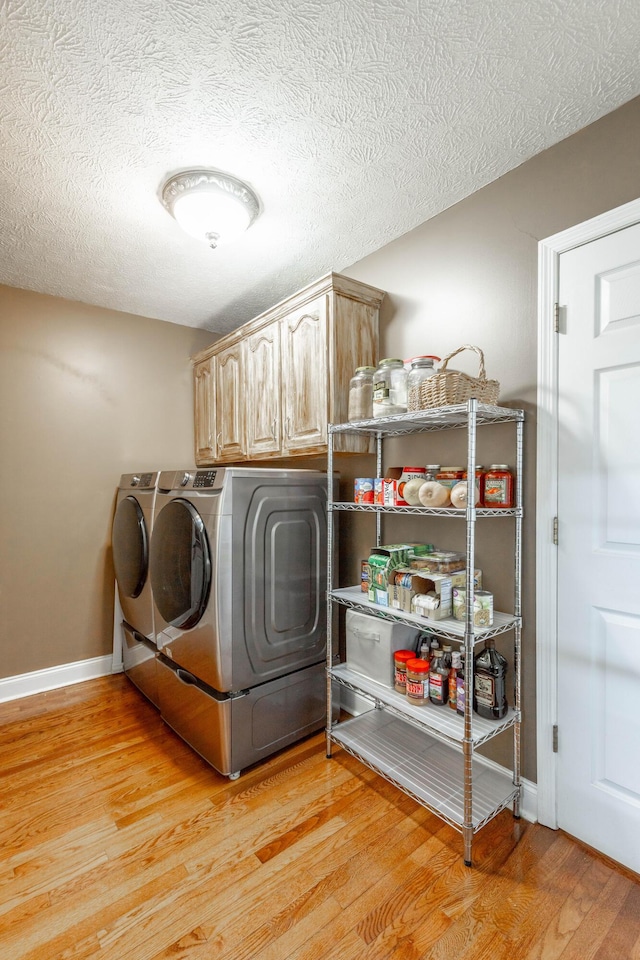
<point>210,205</point>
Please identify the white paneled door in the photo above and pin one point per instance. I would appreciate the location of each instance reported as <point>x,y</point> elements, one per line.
<point>598,649</point>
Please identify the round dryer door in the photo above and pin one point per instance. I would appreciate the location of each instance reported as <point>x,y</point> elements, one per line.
<point>180,564</point>
<point>130,542</point>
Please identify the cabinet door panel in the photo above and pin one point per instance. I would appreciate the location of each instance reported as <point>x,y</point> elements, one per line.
<point>305,378</point>
<point>230,404</point>
<point>204,400</point>
<point>262,368</point>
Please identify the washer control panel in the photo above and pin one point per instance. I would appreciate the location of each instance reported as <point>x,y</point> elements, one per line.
<point>142,480</point>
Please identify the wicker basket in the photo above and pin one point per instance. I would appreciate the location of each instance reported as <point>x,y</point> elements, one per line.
<point>447,387</point>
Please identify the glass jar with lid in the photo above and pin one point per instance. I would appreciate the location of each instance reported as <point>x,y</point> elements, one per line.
<point>421,368</point>
<point>390,388</point>
<point>361,394</point>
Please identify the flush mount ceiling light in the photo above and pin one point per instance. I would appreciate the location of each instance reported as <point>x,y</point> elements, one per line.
<point>210,205</point>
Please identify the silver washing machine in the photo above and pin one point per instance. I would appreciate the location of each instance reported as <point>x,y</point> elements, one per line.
<point>238,570</point>
<point>131,539</point>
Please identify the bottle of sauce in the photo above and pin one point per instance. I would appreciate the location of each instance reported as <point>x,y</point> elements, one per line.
<point>460,687</point>
<point>438,680</point>
<point>489,683</point>
<point>498,487</point>
<point>456,663</point>
<point>433,647</point>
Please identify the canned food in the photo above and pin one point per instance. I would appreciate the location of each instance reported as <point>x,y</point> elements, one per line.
<point>482,606</point>
<point>363,489</point>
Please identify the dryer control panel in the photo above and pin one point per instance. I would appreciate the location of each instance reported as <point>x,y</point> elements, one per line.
<point>204,478</point>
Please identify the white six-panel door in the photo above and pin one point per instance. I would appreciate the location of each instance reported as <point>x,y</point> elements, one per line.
<point>597,501</point>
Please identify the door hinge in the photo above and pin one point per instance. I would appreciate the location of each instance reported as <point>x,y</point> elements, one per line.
<point>555,738</point>
<point>556,318</point>
<point>555,531</point>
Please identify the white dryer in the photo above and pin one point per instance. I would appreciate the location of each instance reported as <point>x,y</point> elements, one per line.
<point>130,539</point>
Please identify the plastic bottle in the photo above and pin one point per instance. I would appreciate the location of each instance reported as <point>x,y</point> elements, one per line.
<point>489,687</point>
<point>418,681</point>
<point>400,660</point>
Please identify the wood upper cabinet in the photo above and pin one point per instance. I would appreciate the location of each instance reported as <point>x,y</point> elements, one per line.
<point>305,377</point>
<point>229,404</point>
<point>263,408</point>
<point>204,398</point>
<point>281,378</point>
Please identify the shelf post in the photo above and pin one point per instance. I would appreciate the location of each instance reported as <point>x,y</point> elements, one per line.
<point>517,609</point>
<point>469,633</point>
<point>330,548</point>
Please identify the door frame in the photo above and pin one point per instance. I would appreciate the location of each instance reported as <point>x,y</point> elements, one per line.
<point>549,251</point>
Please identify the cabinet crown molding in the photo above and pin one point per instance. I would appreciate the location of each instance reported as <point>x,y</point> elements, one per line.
<point>330,283</point>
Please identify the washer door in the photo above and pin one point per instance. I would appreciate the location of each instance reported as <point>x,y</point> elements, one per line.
<point>130,542</point>
<point>180,564</point>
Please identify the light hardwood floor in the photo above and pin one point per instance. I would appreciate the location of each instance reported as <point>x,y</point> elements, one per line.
<point>120,843</point>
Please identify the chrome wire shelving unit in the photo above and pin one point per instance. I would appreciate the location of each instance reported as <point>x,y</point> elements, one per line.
<point>426,751</point>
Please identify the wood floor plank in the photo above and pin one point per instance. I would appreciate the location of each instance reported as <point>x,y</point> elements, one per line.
<point>594,930</point>
<point>118,841</point>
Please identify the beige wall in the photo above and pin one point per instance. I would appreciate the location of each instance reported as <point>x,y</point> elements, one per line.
<point>470,276</point>
<point>85,395</point>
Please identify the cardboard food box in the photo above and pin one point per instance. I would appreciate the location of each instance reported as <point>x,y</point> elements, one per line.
<point>382,561</point>
<point>389,495</point>
<point>459,579</point>
<point>365,575</point>
<point>407,584</point>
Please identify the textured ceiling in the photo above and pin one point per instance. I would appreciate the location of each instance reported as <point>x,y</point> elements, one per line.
<point>353,120</point>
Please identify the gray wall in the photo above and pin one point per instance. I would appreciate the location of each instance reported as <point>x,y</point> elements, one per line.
<point>470,276</point>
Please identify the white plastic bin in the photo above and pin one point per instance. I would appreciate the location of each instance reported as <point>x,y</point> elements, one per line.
<point>372,642</point>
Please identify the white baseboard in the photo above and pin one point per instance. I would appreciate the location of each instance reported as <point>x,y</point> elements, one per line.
<point>26,684</point>
<point>528,794</point>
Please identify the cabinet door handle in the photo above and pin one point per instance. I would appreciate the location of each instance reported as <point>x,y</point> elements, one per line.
<point>273,428</point>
